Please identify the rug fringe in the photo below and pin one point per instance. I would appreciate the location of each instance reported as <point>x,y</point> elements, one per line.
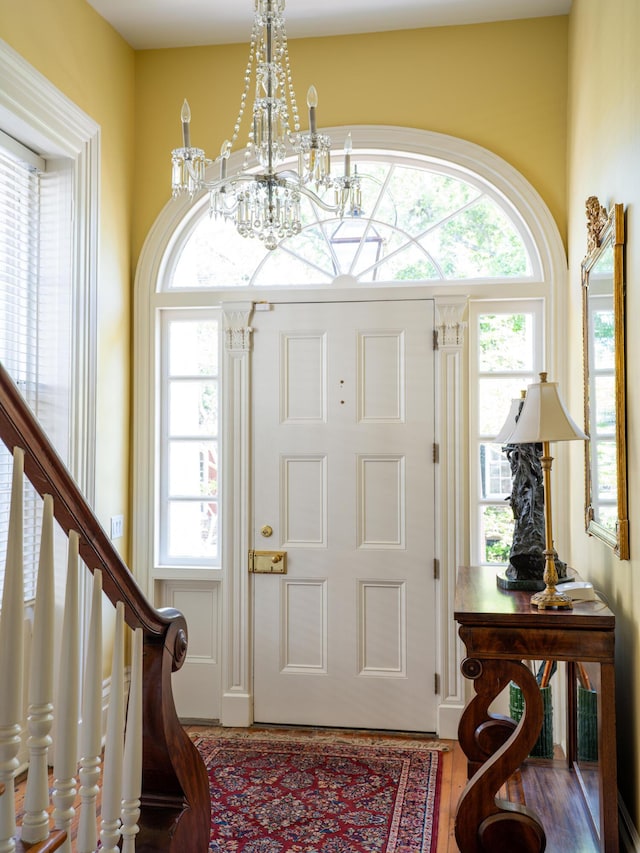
<point>401,740</point>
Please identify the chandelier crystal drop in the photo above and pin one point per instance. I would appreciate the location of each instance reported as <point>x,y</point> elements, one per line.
<point>261,201</point>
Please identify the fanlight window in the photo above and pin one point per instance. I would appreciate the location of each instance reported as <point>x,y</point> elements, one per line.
<point>426,222</point>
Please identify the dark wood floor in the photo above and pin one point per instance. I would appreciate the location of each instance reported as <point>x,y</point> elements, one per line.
<point>546,786</point>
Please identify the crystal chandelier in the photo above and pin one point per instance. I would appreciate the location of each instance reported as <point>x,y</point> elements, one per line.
<point>262,202</point>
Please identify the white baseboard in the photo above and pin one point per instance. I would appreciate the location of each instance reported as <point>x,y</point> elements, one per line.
<point>236,710</point>
<point>448,720</point>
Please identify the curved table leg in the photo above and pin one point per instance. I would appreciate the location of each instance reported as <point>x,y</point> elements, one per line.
<point>483,822</point>
<point>480,733</point>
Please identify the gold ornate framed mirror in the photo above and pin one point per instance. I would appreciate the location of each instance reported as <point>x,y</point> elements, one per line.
<point>603,307</point>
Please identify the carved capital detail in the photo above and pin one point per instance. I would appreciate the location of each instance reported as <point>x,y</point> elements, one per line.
<point>238,340</point>
<point>237,331</point>
<point>449,323</point>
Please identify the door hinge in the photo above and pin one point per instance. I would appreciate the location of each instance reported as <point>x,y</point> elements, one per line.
<point>436,452</point>
<point>436,683</point>
<point>435,340</point>
<point>436,569</point>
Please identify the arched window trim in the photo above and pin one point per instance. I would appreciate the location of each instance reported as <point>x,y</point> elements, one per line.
<point>172,224</point>
<point>381,154</point>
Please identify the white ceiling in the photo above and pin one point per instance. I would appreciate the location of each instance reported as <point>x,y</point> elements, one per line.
<point>180,23</point>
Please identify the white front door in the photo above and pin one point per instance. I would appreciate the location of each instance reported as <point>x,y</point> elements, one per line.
<point>343,432</point>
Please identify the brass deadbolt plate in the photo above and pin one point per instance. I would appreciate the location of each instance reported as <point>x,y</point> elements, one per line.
<point>268,562</point>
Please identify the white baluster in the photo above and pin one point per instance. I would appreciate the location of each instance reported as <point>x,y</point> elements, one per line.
<point>91,727</point>
<point>66,728</point>
<point>112,777</point>
<point>132,775</point>
<point>35,825</point>
<point>12,656</point>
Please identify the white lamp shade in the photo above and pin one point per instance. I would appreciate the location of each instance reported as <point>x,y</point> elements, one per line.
<point>544,417</point>
<point>510,423</point>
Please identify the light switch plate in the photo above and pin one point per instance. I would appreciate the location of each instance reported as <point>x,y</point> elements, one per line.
<point>117,526</point>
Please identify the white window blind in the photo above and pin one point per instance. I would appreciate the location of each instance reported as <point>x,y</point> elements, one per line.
<point>20,217</point>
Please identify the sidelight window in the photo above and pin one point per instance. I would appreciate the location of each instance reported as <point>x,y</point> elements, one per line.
<point>506,354</point>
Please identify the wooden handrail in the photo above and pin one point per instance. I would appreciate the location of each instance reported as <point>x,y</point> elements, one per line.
<point>175,803</point>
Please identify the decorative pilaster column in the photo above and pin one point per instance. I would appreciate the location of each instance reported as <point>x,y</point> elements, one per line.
<point>452,506</point>
<point>237,700</point>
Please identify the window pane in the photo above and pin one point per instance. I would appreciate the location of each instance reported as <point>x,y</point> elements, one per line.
<point>495,396</point>
<point>281,267</point>
<point>412,264</point>
<point>506,350</point>
<point>496,534</point>
<point>193,408</point>
<point>506,342</point>
<point>495,472</point>
<point>454,228</point>
<point>189,477</point>
<point>422,199</point>
<point>193,530</point>
<point>193,468</point>
<point>480,242</point>
<point>193,348</point>
<point>215,255</point>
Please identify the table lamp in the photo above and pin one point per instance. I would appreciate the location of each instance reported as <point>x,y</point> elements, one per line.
<point>544,418</point>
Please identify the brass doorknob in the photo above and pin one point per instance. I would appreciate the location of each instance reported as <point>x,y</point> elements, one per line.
<point>267,530</point>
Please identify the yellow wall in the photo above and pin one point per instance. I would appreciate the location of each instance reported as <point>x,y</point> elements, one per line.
<point>88,61</point>
<point>604,142</point>
<point>502,86</point>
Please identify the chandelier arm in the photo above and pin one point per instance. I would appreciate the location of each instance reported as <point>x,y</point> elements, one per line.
<point>319,202</point>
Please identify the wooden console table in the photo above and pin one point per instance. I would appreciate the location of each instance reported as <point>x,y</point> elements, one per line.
<point>500,629</point>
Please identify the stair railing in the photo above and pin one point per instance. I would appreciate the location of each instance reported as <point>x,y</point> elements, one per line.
<point>169,810</point>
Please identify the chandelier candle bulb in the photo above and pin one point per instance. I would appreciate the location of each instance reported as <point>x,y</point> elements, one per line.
<point>348,148</point>
<point>185,116</point>
<point>224,154</point>
<point>312,103</point>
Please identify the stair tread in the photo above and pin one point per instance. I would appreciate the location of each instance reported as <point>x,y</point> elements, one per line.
<point>55,840</point>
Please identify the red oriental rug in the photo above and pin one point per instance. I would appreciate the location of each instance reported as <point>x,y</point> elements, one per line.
<point>306,796</point>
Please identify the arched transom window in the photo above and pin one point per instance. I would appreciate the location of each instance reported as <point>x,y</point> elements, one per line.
<point>421,220</point>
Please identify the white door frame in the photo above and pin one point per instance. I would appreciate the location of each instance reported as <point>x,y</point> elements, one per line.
<point>237,617</point>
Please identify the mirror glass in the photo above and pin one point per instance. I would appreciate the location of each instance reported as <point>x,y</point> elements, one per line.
<point>604,376</point>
